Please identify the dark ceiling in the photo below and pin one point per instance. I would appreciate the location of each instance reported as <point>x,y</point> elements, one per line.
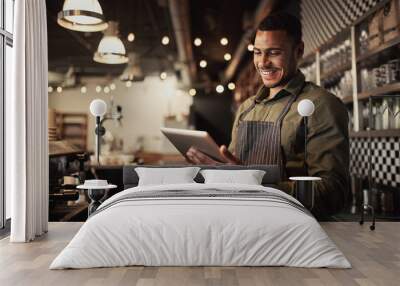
<point>212,20</point>
<point>150,20</point>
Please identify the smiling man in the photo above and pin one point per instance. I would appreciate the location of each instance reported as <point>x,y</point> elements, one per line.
<point>269,130</point>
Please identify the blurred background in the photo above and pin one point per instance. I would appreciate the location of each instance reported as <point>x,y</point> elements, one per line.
<point>188,64</point>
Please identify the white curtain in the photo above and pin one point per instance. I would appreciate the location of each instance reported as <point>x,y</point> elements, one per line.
<point>26,123</point>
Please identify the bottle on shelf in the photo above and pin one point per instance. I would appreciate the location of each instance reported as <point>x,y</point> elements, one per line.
<point>363,40</point>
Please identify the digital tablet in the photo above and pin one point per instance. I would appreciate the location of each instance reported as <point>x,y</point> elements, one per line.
<point>183,139</point>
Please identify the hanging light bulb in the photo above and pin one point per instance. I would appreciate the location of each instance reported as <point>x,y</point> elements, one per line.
<point>163,75</point>
<point>227,56</point>
<point>111,50</point>
<point>231,86</point>
<point>203,64</point>
<point>165,40</point>
<point>250,47</point>
<point>131,37</point>
<point>224,41</point>
<point>82,16</point>
<point>197,42</point>
<point>192,92</point>
<point>220,88</point>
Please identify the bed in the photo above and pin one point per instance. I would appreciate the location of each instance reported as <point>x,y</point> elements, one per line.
<point>197,224</point>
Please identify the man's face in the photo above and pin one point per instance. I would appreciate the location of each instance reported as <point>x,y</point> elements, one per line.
<point>275,57</point>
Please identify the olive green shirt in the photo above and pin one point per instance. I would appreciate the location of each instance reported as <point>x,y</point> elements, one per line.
<point>327,139</point>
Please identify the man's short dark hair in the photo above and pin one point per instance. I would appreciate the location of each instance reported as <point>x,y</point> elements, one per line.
<point>282,21</point>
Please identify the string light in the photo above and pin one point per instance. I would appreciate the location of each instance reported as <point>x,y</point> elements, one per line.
<point>250,47</point>
<point>112,86</point>
<point>163,75</point>
<point>197,42</point>
<point>231,86</point>
<point>227,56</point>
<point>59,89</point>
<point>165,40</point>
<point>192,92</point>
<point>83,89</point>
<point>98,88</point>
<point>203,64</point>
<point>128,83</point>
<point>106,89</point>
<point>131,37</point>
<point>220,88</point>
<point>50,89</point>
<point>224,41</point>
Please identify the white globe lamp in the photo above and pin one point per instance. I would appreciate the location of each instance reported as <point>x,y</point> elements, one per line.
<point>98,108</point>
<point>305,108</point>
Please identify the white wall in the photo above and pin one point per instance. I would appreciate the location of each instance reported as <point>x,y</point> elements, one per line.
<point>144,106</point>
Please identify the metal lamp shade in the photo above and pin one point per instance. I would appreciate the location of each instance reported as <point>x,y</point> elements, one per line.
<point>111,50</point>
<point>82,16</point>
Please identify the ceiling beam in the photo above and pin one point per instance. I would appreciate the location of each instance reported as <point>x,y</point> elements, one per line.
<point>152,18</point>
<point>179,10</point>
<point>263,9</point>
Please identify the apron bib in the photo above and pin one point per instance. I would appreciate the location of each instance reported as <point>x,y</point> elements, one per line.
<point>259,142</point>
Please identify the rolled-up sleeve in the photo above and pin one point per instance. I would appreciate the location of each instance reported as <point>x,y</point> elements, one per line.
<point>328,154</point>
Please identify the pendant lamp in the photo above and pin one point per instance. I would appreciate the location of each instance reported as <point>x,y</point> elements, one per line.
<point>111,50</point>
<point>82,16</point>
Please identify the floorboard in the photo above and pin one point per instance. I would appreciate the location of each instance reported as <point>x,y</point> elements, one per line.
<point>375,257</point>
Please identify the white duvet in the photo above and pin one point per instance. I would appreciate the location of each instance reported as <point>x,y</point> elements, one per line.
<point>192,231</point>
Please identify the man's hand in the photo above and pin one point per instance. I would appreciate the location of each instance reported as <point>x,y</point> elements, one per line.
<point>197,157</point>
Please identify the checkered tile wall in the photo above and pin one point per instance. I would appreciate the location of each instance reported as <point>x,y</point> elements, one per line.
<point>322,19</point>
<point>385,159</point>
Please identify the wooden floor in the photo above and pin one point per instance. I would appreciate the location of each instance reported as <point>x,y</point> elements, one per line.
<point>375,256</point>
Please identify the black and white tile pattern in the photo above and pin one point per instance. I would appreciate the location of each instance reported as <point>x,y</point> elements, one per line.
<point>385,159</point>
<point>331,17</point>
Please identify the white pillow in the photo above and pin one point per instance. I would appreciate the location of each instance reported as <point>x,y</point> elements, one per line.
<point>164,176</point>
<point>248,177</point>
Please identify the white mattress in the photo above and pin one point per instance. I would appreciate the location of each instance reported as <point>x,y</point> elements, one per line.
<point>191,231</point>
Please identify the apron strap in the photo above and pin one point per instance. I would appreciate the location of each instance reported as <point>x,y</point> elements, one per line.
<point>285,110</point>
<point>247,111</point>
<point>289,104</point>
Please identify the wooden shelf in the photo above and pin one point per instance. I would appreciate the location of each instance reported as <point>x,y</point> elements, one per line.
<point>347,99</point>
<point>384,46</point>
<point>72,127</point>
<point>63,148</point>
<point>336,71</point>
<point>386,89</point>
<point>375,133</point>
